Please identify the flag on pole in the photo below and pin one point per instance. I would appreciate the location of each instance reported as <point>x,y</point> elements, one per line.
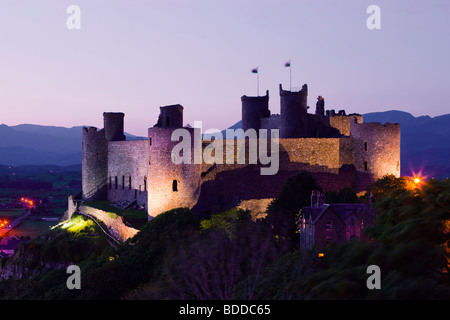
<point>288,64</point>
<point>255,70</point>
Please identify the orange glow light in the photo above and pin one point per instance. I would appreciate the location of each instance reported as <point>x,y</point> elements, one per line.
<point>417,180</point>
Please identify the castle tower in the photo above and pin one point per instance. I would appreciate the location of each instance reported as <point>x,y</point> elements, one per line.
<point>94,164</point>
<point>293,111</point>
<point>95,155</point>
<point>320,106</point>
<point>113,124</point>
<point>376,148</point>
<point>172,185</point>
<point>170,116</point>
<point>253,110</point>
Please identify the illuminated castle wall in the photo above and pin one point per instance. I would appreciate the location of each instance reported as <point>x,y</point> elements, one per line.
<point>338,149</point>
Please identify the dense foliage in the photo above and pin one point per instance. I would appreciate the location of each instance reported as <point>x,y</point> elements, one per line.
<point>230,256</point>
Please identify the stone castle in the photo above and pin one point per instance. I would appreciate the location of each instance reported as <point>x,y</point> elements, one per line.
<point>338,149</point>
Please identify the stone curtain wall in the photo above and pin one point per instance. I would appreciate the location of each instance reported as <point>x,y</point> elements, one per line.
<point>128,159</point>
<point>113,222</point>
<point>342,123</point>
<point>331,153</point>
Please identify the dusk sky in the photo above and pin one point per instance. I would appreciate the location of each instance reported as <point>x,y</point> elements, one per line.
<point>135,56</point>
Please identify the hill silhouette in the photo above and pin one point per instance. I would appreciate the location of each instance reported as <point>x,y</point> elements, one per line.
<point>425,143</point>
<point>30,144</point>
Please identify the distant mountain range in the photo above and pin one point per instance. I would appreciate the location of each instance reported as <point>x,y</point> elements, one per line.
<point>29,144</point>
<point>425,143</point>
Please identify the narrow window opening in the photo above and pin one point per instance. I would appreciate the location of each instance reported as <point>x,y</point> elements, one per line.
<point>129,182</point>
<point>365,146</point>
<point>115,182</point>
<point>175,185</point>
<point>145,183</point>
<point>366,167</point>
<point>123,182</point>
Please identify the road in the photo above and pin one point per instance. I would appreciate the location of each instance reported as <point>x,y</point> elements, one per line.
<point>14,223</point>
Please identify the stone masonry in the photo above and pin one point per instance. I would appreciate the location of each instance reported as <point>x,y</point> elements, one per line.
<point>340,150</point>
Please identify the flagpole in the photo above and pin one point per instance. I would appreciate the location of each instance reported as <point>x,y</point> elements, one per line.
<point>288,64</point>
<point>256,70</point>
<point>290,77</point>
<point>257,81</point>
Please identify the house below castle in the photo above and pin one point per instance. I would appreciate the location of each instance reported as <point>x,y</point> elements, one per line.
<point>339,150</point>
<point>325,224</point>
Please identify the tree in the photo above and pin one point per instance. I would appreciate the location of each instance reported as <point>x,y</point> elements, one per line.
<point>229,248</point>
<point>283,213</point>
<point>386,185</point>
<point>345,195</point>
<point>410,243</point>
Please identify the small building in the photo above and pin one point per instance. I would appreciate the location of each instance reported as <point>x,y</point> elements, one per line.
<point>323,224</point>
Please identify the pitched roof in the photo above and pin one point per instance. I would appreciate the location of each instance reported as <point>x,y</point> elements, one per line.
<point>342,210</point>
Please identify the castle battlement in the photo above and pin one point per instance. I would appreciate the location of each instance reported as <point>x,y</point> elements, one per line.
<point>340,150</point>
<point>92,130</point>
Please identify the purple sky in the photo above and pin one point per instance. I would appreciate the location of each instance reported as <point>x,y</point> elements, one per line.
<point>134,56</point>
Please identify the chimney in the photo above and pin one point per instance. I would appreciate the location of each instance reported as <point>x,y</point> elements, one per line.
<point>317,199</point>
<point>313,198</point>
<point>320,199</point>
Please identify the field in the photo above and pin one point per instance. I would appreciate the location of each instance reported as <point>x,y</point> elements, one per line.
<point>62,182</point>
